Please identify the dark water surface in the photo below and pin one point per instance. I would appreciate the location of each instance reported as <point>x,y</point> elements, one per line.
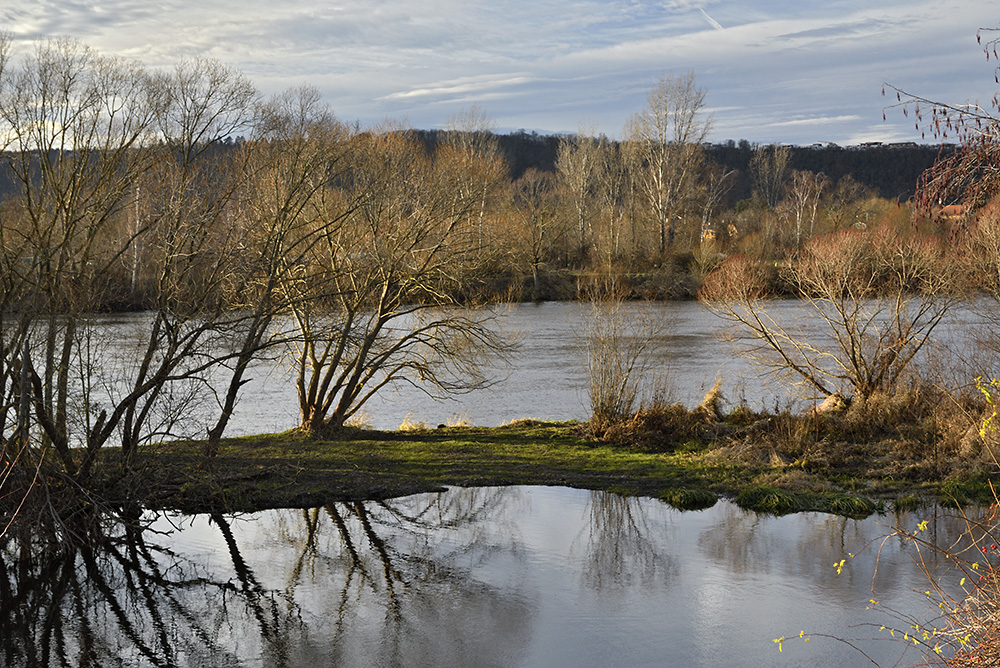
<point>517,576</point>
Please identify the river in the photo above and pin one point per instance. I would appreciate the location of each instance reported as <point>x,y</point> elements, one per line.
<point>548,380</point>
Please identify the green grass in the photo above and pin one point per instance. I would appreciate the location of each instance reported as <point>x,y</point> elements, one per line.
<point>293,470</point>
<point>767,499</point>
<point>689,499</point>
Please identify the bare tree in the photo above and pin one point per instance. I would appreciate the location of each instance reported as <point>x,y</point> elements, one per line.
<point>193,237</point>
<point>716,184</point>
<point>535,211</point>
<point>876,295</point>
<point>665,140</point>
<point>769,169</point>
<point>805,192</point>
<point>78,125</point>
<point>381,282</point>
<point>471,140</point>
<point>615,196</point>
<point>577,169</point>
<point>296,154</point>
<point>88,133</point>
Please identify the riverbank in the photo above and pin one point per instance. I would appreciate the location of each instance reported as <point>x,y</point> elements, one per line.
<point>294,470</point>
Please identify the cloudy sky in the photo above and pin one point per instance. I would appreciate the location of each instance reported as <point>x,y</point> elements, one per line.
<point>774,70</point>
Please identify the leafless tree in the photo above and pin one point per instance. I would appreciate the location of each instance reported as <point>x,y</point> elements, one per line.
<point>716,184</point>
<point>536,214</point>
<point>193,238</point>
<point>296,154</point>
<point>665,140</point>
<point>805,192</point>
<point>383,283</point>
<point>577,169</point>
<point>877,297</point>
<point>483,173</point>
<point>769,169</point>
<point>87,134</point>
<point>615,199</point>
<point>78,126</point>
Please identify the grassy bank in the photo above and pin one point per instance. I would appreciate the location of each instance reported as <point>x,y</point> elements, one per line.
<point>293,470</point>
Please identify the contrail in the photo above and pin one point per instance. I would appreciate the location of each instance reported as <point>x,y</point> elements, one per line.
<point>715,24</point>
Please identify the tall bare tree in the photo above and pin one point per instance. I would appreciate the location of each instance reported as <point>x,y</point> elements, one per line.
<point>194,238</point>
<point>665,139</point>
<point>78,126</point>
<point>805,192</point>
<point>577,168</point>
<point>470,138</point>
<point>769,170</point>
<point>87,134</point>
<point>535,205</point>
<point>295,156</point>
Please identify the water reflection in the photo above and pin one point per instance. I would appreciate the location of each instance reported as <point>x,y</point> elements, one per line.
<point>497,576</point>
<point>622,546</point>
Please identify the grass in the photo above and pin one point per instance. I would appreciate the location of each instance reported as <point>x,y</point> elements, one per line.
<point>293,470</point>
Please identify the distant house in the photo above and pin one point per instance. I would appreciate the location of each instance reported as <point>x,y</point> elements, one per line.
<point>951,212</point>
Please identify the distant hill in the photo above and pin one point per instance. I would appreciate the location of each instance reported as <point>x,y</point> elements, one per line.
<point>890,170</point>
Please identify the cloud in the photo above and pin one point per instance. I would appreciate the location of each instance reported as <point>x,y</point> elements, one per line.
<point>463,85</point>
<point>777,69</point>
<point>815,121</point>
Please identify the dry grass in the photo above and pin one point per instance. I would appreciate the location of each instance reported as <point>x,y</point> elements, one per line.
<point>457,420</point>
<point>408,424</point>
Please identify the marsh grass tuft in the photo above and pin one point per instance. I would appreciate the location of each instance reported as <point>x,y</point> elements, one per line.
<point>657,427</point>
<point>767,499</point>
<point>689,499</point>
<point>408,424</point>
<point>907,502</point>
<point>852,505</point>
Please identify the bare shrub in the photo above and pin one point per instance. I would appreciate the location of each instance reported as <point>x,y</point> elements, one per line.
<point>878,296</point>
<point>618,343</point>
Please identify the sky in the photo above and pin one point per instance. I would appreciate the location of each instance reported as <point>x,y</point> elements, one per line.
<point>773,70</point>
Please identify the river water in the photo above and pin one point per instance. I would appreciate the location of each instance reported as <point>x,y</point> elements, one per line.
<point>512,577</point>
<point>548,379</point>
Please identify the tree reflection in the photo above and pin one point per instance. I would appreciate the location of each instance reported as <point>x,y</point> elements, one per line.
<point>79,598</point>
<point>807,545</point>
<point>621,544</point>
<point>361,583</point>
<point>398,582</point>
